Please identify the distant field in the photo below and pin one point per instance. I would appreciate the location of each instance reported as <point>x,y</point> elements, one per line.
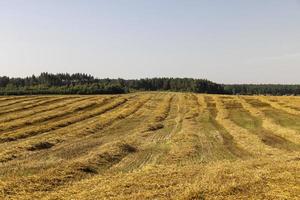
<point>149,146</point>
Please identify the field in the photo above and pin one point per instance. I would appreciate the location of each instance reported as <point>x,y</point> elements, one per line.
<point>152,145</point>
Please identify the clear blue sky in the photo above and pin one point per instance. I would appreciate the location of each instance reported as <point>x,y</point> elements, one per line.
<point>232,41</point>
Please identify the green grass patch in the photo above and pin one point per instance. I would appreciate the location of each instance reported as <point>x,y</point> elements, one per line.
<point>284,119</point>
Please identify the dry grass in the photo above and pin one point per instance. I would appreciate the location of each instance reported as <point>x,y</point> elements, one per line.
<point>149,146</point>
<point>242,137</point>
<point>161,114</point>
<point>268,123</point>
<point>279,106</point>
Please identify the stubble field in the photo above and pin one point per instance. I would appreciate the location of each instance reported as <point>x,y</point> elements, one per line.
<point>152,145</point>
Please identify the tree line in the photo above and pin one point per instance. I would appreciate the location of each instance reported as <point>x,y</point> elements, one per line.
<point>262,89</point>
<point>62,83</point>
<point>81,83</point>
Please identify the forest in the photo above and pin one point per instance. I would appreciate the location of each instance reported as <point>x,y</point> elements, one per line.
<point>81,83</point>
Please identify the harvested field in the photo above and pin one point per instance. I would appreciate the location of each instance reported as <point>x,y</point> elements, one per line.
<point>150,145</point>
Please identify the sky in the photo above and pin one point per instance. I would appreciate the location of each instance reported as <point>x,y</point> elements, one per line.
<point>232,41</point>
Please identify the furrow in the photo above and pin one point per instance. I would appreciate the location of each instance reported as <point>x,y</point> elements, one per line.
<point>96,161</point>
<point>223,141</point>
<point>269,124</point>
<point>244,119</point>
<point>53,115</point>
<point>42,109</point>
<point>242,137</point>
<point>11,136</point>
<point>7,99</point>
<point>278,106</point>
<point>160,131</point>
<point>31,105</point>
<point>20,102</point>
<point>160,114</point>
<point>83,128</point>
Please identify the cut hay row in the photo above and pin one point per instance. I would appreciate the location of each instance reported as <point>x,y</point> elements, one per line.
<point>107,156</point>
<point>130,109</point>
<point>164,109</point>
<point>160,114</point>
<point>222,180</point>
<point>269,124</point>
<point>222,141</point>
<point>171,122</point>
<point>189,143</point>
<point>93,162</point>
<point>202,104</point>
<point>78,130</point>
<point>294,99</point>
<point>5,99</point>
<point>141,139</point>
<point>89,123</point>
<point>53,115</point>
<point>31,131</point>
<point>20,102</point>
<point>201,152</point>
<point>289,102</point>
<point>242,137</point>
<point>129,133</point>
<point>193,107</point>
<point>6,102</point>
<point>179,114</point>
<point>172,126</point>
<point>278,106</point>
<point>112,112</point>
<point>244,119</point>
<point>170,144</point>
<point>286,100</point>
<point>56,105</point>
<point>147,142</point>
<point>27,106</point>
